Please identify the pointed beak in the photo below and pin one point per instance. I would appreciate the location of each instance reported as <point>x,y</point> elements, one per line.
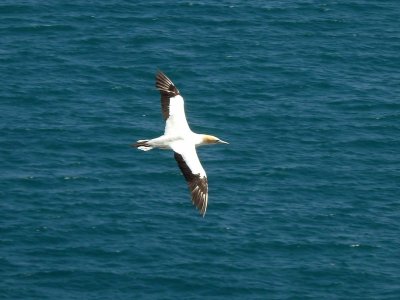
<point>222,142</point>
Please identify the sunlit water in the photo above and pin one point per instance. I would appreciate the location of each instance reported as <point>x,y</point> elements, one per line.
<point>303,202</point>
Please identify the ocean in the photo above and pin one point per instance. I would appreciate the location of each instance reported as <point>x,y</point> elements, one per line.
<point>304,202</point>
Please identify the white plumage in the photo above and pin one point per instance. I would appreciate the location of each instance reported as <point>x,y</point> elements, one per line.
<point>179,138</point>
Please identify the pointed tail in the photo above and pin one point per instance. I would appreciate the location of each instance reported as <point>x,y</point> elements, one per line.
<point>142,145</point>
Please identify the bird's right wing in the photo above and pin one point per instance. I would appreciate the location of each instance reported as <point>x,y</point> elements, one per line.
<point>172,106</point>
<point>195,176</point>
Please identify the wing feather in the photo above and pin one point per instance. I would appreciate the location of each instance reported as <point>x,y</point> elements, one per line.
<point>172,105</point>
<point>167,90</point>
<point>195,176</point>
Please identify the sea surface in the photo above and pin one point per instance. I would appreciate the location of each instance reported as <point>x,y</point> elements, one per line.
<point>304,203</point>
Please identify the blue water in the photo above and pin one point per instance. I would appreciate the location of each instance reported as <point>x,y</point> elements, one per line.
<point>304,202</point>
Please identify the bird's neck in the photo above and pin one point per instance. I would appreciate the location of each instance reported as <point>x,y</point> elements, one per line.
<point>202,139</point>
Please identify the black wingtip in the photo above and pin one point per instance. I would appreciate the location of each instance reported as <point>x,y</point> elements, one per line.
<point>165,85</point>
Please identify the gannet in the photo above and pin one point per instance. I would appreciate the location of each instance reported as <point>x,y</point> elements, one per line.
<point>179,138</point>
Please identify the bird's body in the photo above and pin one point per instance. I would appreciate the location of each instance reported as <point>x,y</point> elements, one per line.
<point>168,141</point>
<point>179,138</point>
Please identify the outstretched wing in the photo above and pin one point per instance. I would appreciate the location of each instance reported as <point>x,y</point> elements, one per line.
<point>172,105</point>
<point>195,176</point>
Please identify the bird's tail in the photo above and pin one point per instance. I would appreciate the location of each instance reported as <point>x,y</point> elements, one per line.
<point>142,145</point>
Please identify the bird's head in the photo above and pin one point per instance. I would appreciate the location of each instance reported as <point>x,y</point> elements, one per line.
<point>210,139</point>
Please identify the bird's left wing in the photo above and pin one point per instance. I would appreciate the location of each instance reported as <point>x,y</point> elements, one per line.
<point>172,105</point>
<point>195,176</point>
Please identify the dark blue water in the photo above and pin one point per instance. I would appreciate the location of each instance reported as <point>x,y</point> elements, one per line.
<point>304,203</point>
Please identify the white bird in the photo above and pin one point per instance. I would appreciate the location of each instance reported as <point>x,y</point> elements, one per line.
<point>179,138</point>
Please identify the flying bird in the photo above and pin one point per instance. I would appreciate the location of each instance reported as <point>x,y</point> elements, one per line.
<point>179,138</point>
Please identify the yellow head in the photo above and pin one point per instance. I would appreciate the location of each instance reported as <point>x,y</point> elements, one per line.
<point>210,139</point>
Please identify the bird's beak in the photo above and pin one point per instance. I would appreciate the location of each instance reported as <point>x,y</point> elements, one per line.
<point>222,142</point>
